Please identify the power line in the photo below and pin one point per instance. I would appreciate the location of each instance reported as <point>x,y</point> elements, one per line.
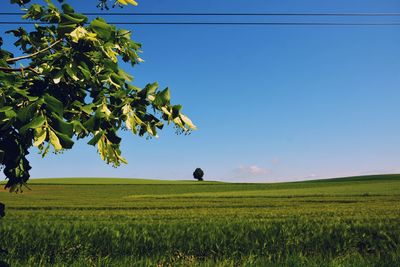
<point>229,23</point>
<point>376,14</point>
<point>381,14</point>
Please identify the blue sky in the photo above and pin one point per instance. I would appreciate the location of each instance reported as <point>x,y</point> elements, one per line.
<point>271,103</point>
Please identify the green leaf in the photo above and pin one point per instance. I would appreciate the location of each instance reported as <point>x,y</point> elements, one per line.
<point>122,159</point>
<point>110,52</point>
<point>131,123</point>
<point>64,29</point>
<point>25,93</point>
<point>78,34</point>
<point>27,113</point>
<point>125,75</point>
<point>96,138</point>
<point>73,18</point>
<point>103,111</point>
<point>10,114</point>
<point>61,125</point>
<point>85,72</point>
<point>54,140</point>
<point>151,88</point>
<point>40,135</point>
<point>54,104</point>
<point>35,12</point>
<point>6,108</point>
<point>65,140</point>
<point>101,146</point>
<point>32,98</point>
<point>92,124</point>
<point>101,28</point>
<point>162,98</point>
<point>126,109</point>
<point>35,123</point>
<point>67,9</point>
<point>78,127</point>
<point>72,71</point>
<point>88,109</point>
<point>133,88</point>
<point>122,33</point>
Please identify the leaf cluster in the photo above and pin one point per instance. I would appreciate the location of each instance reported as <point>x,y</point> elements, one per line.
<point>72,87</point>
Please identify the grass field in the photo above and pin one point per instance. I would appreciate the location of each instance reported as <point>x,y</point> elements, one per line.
<point>136,222</point>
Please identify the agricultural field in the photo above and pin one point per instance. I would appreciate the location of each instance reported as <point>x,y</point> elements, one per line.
<point>136,222</point>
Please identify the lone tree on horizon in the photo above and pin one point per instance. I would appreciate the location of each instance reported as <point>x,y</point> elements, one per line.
<point>198,174</point>
<point>71,86</point>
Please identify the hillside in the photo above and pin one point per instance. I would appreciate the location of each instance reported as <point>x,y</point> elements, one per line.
<point>361,178</point>
<point>117,181</point>
<point>128,181</point>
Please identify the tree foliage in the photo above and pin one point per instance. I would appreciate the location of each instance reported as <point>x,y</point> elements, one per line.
<point>2,210</point>
<point>68,85</point>
<point>198,174</point>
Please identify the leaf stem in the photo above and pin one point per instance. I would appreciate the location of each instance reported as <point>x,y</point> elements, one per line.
<point>34,54</point>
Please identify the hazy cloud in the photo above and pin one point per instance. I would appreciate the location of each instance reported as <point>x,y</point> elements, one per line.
<point>311,176</point>
<point>251,171</point>
<point>275,161</point>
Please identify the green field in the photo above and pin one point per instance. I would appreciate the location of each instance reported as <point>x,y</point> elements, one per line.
<point>136,222</point>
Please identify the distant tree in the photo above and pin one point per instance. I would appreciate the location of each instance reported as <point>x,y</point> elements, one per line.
<point>198,174</point>
<point>71,86</point>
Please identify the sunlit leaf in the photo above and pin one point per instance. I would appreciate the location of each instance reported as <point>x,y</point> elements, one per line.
<point>54,140</point>
<point>40,136</point>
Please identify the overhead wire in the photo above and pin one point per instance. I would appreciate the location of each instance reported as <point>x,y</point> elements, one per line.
<point>237,23</point>
<point>229,23</point>
<point>365,14</point>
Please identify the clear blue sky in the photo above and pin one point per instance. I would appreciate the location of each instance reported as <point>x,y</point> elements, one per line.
<point>271,103</point>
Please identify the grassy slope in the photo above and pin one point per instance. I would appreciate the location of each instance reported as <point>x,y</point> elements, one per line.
<point>87,180</point>
<point>360,185</point>
<point>90,192</point>
<point>320,220</point>
<point>364,178</point>
<point>116,189</point>
<point>108,181</point>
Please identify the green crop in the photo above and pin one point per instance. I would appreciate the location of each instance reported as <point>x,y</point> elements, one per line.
<point>94,222</point>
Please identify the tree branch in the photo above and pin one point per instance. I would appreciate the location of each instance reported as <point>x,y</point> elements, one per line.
<point>33,70</point>
<point>18,69</point>
<point>9,60</point>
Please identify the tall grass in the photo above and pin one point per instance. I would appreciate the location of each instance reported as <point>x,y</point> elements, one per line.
<point>216,225</point>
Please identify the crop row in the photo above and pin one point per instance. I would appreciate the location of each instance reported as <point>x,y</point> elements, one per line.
<point>275,241</point>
